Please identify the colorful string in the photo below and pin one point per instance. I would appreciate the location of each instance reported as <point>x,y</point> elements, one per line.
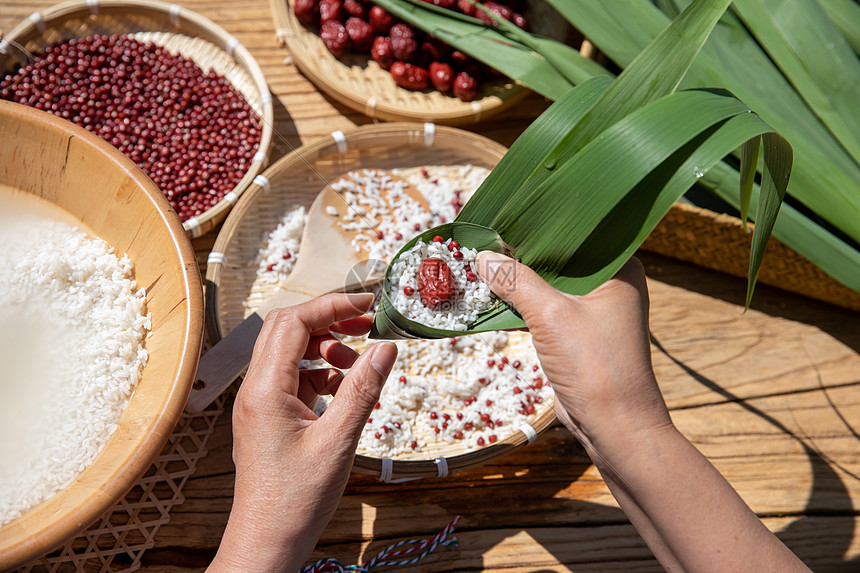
<point>393,555</point>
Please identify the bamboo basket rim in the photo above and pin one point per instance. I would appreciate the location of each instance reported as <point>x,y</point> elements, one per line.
<point>714,240</point>
<point>180,21</point>
<point>391,470</point>
<point>374,93</point>
<point>20,543</point>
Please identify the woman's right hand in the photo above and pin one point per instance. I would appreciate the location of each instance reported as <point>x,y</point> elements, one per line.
<point>595,351</point>
<point>594,348</point>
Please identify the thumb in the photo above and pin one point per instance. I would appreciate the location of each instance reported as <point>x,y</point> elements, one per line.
<point>515,283</point>
<point>359,391</point>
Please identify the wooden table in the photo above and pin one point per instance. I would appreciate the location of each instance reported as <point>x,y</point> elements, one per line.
<point>771,397</point>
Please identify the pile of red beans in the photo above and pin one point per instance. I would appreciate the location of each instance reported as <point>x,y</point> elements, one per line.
<point>190,131</point>
<point>415,60</point>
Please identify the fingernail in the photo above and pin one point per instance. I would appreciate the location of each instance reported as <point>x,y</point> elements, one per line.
<point>360,300</point>
<point>383,357</point>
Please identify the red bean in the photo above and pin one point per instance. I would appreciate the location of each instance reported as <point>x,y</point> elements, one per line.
<point>190,131</point>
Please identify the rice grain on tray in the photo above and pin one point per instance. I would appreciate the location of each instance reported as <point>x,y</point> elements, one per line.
<point>72,329</point>
<point>471,390</point>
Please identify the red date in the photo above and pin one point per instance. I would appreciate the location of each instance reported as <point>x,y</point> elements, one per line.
<point>331,10</point>
<point>306,11</point>
<point>520,21</point>
<point>335,37</point>
<point>459,57</point>
<point>409,76</point>
<point>380,20</point>
<point>404,44</point>
<point>360,34</point>
<point>355,8</point>
<point>467,7</point>
<point>499,10</point>
<point>435,283</point>
<point>381,52</point>
<point>465,86</point>
<point>442,76</point>
<point>434,50</point>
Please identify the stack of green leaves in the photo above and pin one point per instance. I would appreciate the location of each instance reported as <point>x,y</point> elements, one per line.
<point>586,183</point>
<point>795,63</point>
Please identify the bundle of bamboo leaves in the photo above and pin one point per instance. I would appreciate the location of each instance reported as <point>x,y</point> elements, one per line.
<point>795,63</point>
<point>587,182</point>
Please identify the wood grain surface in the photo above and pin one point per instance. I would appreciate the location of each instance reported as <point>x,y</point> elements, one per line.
<point>770,396</point>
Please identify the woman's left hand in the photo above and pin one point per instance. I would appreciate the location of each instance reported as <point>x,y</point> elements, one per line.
<point>292,465</point>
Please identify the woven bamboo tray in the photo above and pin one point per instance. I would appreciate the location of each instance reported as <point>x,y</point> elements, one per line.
<point>359,83</point>
<point>169,25</point>
<point>232,290</point>
<point>719,242</point>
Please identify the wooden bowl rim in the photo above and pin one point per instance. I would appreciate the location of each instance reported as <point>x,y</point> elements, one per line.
<point>205,29</point>
<point>323,148</point>
<point>16,549</point>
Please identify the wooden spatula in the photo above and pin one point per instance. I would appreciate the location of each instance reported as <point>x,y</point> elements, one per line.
<point>327,262</point>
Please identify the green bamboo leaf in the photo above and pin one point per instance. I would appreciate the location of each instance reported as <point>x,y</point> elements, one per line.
<point>846,15</point>
<point>733,60</point>
<point>673,139</point>
<point>633,218</point>
<point>530,149</point>
<point>672,52</point>
<point>816,59</point>
<point>581,192</point>
<point>824,176</point>
<point>749,163</point>
<point>777,170</point>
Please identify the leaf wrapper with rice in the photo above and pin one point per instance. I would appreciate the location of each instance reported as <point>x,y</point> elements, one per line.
<point>586,183</point>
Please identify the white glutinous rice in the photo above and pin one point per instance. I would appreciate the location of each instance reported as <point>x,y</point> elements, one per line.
<point>72,330</point>
<point>275,261</point>
<point>470,390</point>
<point>409,295</point>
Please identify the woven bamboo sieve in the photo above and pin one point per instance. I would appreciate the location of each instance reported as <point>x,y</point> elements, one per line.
<point>232,290</point>
<point>719,242</point>
<point>359,83</point>
<point>168,25</point>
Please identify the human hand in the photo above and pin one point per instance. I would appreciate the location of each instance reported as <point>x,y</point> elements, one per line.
<point>595,351</point>
<point>594,348</point>
<point>291,465</point>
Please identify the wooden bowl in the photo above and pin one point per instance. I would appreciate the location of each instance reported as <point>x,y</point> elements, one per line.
<point>232,288</point>
<point>67,165</point>
<point>358,82</point>
<point>173,27</point>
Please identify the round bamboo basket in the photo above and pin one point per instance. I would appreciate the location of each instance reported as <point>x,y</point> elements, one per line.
<point>359,83</point>
<point>232,288</point>
<point>177,29</point>
<point>722,243</point>
<point>72,168</point>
